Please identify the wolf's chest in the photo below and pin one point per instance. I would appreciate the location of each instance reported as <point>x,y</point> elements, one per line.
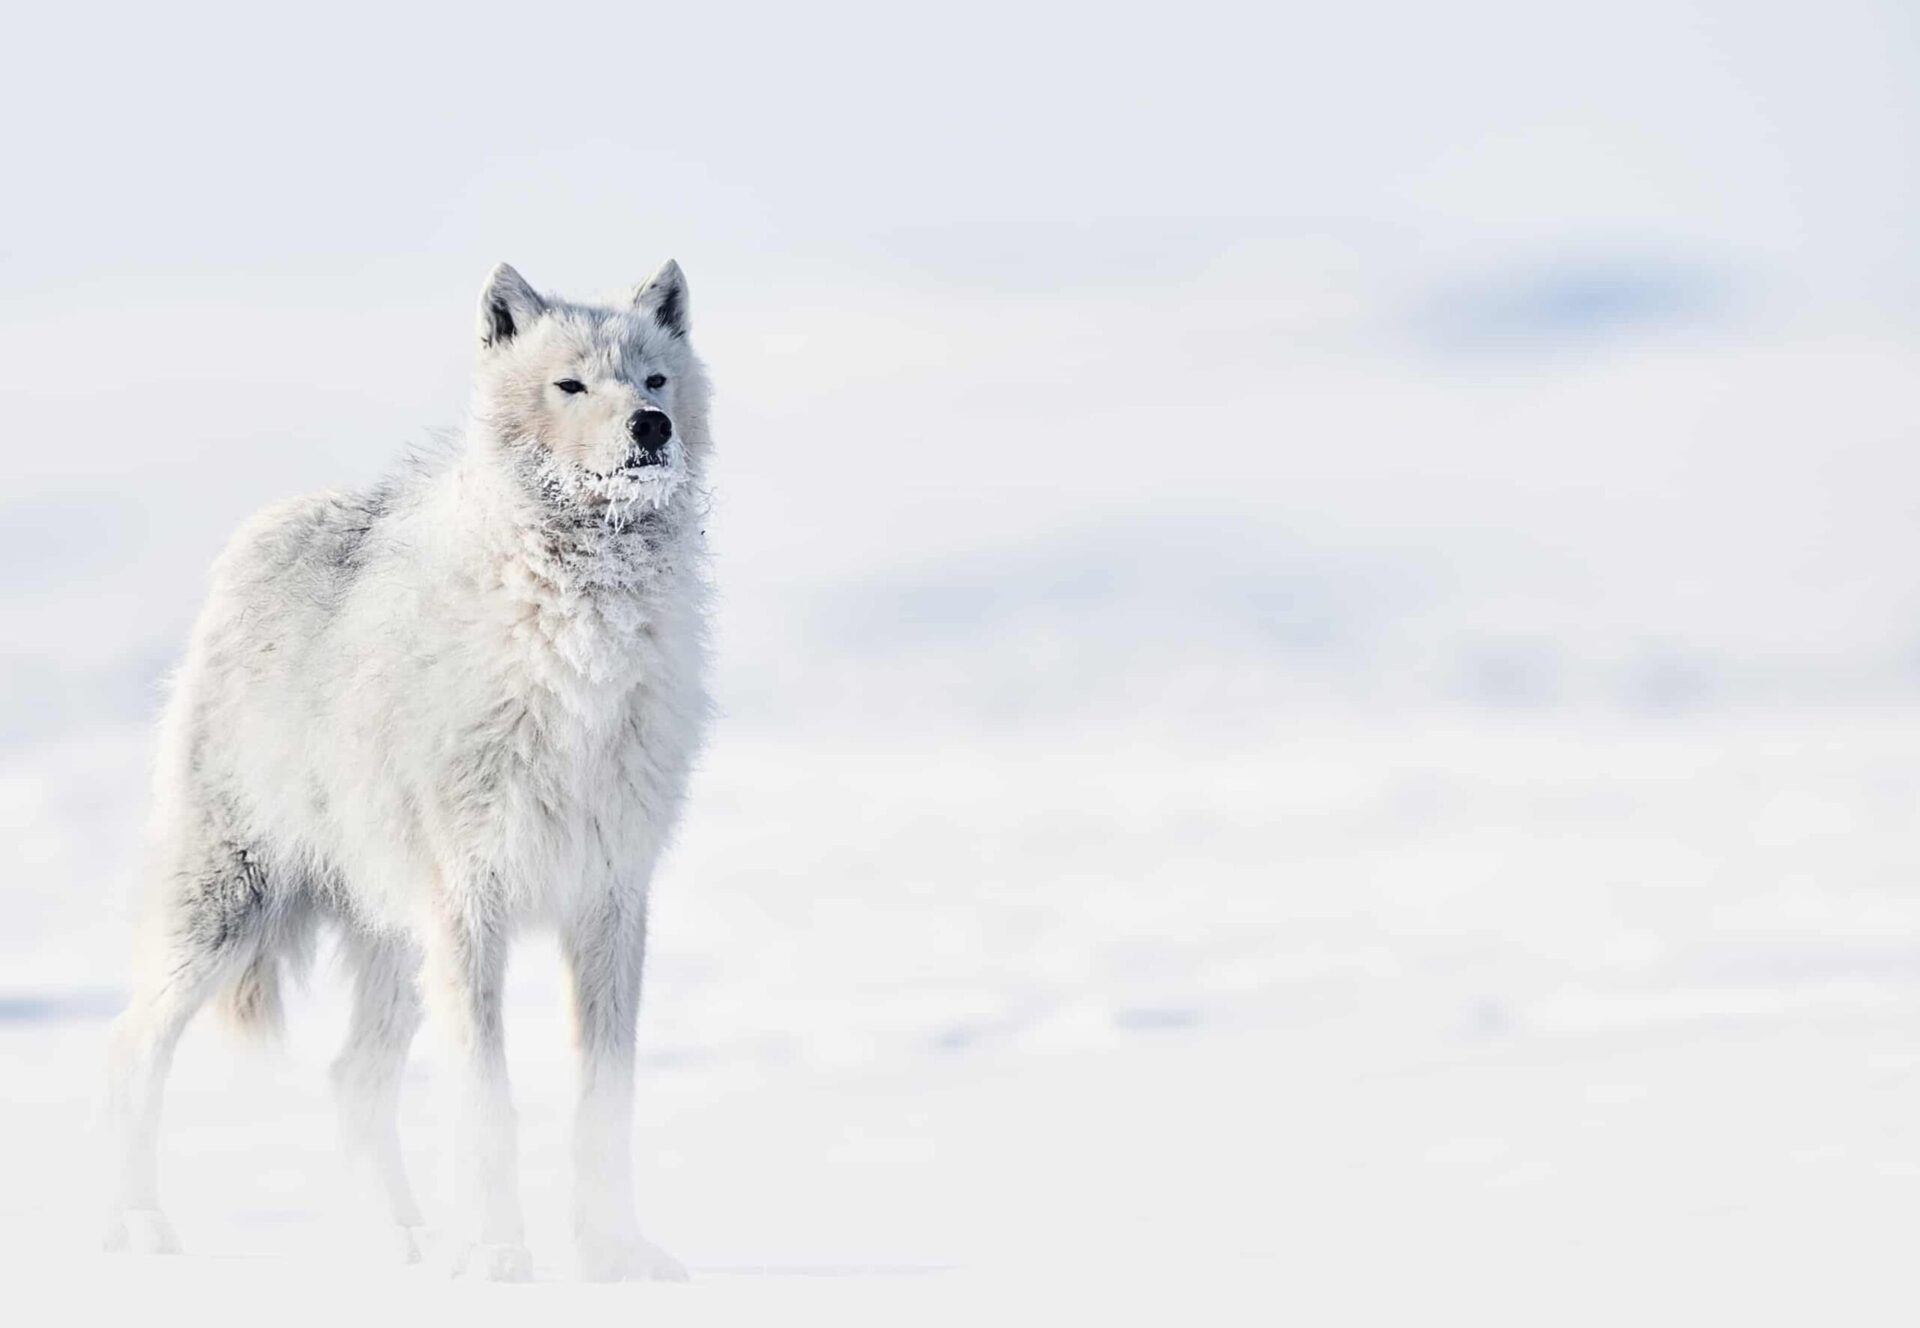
<point>569,750</point>
<point>579,686</point>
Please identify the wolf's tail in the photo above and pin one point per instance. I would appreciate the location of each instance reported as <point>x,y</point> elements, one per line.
<point>250,1004</point>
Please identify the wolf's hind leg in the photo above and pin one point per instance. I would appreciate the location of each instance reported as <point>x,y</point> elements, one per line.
<point>183,966</point>
<point>366,1074</point>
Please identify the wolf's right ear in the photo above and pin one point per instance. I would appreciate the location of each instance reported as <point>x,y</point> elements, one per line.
<point>664,295</point>
<point>507,306</point>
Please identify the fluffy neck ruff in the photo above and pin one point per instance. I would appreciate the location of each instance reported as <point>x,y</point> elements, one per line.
<point>589,563</point>
<point>591,530</point>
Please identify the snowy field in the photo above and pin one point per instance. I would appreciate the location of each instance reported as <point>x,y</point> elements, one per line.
<point>1465,1019</point>
<point>1329,743</point>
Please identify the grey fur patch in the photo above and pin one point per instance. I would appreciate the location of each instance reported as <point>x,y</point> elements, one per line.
<point>226,902</point>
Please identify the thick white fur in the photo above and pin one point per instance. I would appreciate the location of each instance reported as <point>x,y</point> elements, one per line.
<point>430,713</point>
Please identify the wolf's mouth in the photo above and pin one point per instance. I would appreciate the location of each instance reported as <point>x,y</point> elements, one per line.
<point>618,495</point>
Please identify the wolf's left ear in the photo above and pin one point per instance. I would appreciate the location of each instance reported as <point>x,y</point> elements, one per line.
<point>507,306</point>
<point>665,297</point>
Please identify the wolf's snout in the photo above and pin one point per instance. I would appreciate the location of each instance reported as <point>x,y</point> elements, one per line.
<point>649,429</point>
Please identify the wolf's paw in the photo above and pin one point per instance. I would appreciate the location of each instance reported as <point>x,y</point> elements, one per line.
<point>494,1263</point>
<point>140,1231</point>
<point>408,1244</point>
<point>627,1259</point>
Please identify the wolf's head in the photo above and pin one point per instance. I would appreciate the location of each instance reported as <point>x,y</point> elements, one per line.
<point>605,404</point>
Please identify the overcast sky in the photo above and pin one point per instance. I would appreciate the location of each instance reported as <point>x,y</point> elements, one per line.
<point>161,146</point>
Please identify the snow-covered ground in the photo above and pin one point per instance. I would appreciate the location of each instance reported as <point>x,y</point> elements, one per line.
<point>1456,1018</point>
<point>1319,645</point>
<point>1715,1168</point>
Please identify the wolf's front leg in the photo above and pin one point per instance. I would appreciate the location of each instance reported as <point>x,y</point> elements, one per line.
<point>465,972</point>
<point>604,953</point>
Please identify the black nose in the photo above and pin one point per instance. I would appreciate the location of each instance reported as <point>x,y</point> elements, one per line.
<point>649,430</point>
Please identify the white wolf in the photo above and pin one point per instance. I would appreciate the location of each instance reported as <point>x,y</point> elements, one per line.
<point>461,701</point>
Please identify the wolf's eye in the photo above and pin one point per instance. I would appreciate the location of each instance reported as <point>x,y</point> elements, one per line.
<point>655,382</point>
<point>571,386</point>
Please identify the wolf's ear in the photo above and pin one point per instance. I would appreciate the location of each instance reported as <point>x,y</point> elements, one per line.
<point>507,306</point>
<point>665,297</point>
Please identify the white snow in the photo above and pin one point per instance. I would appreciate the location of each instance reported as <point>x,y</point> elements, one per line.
<point>1374,1023</point>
